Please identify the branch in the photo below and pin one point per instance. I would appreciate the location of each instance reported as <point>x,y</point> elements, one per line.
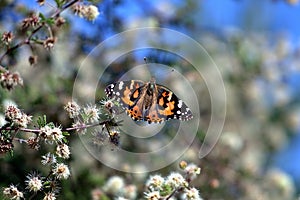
<point>66,129</point>
<point>28,39</point>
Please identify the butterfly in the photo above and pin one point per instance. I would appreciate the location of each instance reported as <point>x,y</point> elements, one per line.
<point>148,101</point>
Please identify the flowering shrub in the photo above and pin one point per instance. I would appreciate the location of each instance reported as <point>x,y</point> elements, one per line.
<point>37,139</point>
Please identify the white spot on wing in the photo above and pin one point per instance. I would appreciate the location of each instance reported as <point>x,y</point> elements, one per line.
<point>131,85</point>
<point>179,103</point>
<point>121,85</point>
<point>170,96</point>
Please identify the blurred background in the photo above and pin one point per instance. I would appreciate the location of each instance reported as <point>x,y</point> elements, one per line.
<point>255,45</point>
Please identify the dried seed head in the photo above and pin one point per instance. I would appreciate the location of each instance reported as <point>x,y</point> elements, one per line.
<point>12,192</point>
<point>49,43</point>
<point>31,21</point>
<point>9,80</point>
<point>33,142</point>
<point>7,37</point>
<point>40,2</point>
<point>79,10</point>
<point>32,59</point>
<point>60,21</point>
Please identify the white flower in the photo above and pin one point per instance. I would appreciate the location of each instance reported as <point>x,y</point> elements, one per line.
<point>192,171</point>
<point>61,171</point>
<point>154,195</point>
<point>48,159</point>
<point>2,120</point>
<point>175,180</point>
<point>57,134</point>
<point>34,183</point>
<point>91,12</point>
<point>114,185</point>
<point>12,192</point>
<point>73,109</point>
<point>9,80</point>
<point>16,116</point>
<point>91,113</point>
<point>130,192</point>
<point>22,120</point>
<point>51,133</point>
<point>63,151</point>
<point>191,194</point>
<point>49,196</point>
<point>120,198</point>
<point>155,182</point>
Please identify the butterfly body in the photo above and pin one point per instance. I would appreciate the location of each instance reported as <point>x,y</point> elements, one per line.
<point>148,101</point>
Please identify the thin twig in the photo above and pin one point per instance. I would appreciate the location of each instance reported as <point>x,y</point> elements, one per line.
<point>66,129</point>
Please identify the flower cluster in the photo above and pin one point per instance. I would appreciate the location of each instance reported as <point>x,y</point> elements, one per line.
<point>9,80</point>
<point>89,12</point>
<point>63,151</point>
<point>90,116</point>
<point>91,113</point>
<point>61,171</point>
<point>175,184</point>
<point>73,109</point>
<point>191,170</point>
<point>48,159</point>
<point>12,192</point>
<point>116,187</point>
<point>51,133</point>
<point>34,182</point>
<point>15,116</point>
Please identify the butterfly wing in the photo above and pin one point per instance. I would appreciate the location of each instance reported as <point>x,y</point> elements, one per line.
<point>169,106</point>
<point>128,94</point>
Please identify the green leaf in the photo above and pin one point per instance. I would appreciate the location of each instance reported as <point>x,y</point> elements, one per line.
<point>65,133</point>
<point>41,121</point>
<point>50,21</point>
<point>47,184</point>
<point>65,140</point>
<point>51,124</point>
<point>28,33</point>
<point>11,152</point>
<point>43,18</point>
<point>166,190</point>
<point>59,3</point>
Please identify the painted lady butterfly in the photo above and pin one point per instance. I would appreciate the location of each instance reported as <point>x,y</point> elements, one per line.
<point>149,101</point>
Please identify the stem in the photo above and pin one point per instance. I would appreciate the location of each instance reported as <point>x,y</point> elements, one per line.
<point>168,197</point>
<point>87,126</point>
<point>66,129</point>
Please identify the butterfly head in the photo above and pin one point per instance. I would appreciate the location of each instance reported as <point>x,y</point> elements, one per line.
<point>151,85</point>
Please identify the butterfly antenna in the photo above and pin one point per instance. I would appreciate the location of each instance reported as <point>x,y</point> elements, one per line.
<point>146,62</point>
